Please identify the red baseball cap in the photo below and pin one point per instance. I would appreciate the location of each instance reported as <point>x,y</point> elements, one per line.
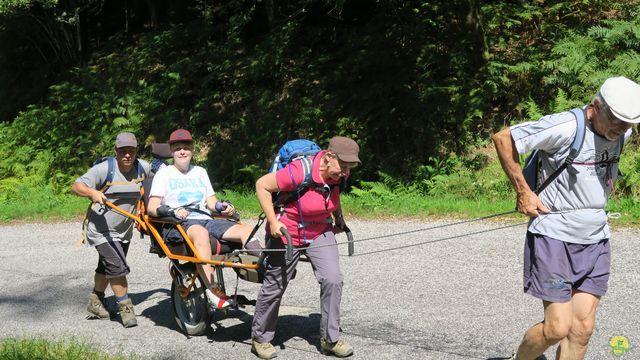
<point>180,135</point>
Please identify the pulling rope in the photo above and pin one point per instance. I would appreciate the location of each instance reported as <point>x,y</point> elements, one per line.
<point>435,227</point>
<point>437,240</point>
<point>411,232</point>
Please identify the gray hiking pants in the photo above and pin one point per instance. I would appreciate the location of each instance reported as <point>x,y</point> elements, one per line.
<point>326,267</point>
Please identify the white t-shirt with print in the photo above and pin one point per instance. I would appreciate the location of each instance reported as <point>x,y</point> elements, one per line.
<point>179,189</point>
<point>578,196</point>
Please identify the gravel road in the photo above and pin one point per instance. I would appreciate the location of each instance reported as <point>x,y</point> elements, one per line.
<point>458,298</point>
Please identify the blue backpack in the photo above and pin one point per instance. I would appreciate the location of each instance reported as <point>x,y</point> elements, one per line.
<point>294,150</point>
<point>300,149</point>
<point>532,162</point>
<point>305,151</point>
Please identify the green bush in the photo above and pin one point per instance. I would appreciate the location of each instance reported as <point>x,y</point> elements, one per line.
<point>419,89</point>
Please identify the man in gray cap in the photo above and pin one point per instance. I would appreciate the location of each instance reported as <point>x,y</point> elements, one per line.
<point>117,179</point>
<point>567,254</point>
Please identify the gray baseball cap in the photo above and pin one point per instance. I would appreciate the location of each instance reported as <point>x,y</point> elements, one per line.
<point>126,139</point>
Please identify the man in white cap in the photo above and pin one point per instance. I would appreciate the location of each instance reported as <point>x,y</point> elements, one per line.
<point>117,179</point>
<point>567,254</point>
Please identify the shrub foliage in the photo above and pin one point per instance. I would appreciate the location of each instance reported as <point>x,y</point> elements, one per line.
<point>419,84</point>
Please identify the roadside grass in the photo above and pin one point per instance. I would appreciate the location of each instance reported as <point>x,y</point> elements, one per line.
<point>43,207</point>
<point>41,349</point>
<point>399,204</point>
<point>419,206</point>
<point>627,208</point>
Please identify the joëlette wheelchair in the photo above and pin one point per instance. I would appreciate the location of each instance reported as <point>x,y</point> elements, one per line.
<point>191,309</point>
<point>192,312</point>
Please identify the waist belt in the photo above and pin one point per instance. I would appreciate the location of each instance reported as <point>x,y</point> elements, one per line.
<point>302,225</point>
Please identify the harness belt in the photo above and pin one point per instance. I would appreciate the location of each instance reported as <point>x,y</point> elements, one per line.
<point>302,225</point>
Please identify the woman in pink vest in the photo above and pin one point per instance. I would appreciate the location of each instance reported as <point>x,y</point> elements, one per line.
<point>312,220</point>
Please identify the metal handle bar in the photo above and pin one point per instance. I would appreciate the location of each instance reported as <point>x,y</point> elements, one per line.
<point>350,246</point>
<point>286,234</point>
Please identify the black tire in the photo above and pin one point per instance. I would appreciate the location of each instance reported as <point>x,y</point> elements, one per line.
<point>192,315</point>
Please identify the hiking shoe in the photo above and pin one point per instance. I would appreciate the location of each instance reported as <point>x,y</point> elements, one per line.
<point>263,350</point>
<point>96,308</point>
<point>217,298</point>
<point>127,315</point>
<point>339,348</point>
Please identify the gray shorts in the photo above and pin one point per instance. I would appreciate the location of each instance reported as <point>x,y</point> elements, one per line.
<point>554,269</point>
<point>112,259</point>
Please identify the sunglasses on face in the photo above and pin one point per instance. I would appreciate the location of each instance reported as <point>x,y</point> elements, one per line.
<point>126,150</point>
<point>185,147</point>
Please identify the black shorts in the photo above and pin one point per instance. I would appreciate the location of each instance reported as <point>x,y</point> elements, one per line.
<point>112,259</point>
<point>216,228</point>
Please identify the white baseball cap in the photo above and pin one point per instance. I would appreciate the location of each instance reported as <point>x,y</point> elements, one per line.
<point>623,97</point>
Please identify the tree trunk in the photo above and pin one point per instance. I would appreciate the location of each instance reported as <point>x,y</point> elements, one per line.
<point>268,6</point>
<point>78,32</point>
<point>474,24</point>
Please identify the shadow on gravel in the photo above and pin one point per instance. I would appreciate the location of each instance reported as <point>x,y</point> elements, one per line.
<point>42,297</point>
<point>162,312</point>
<point>306,328</point>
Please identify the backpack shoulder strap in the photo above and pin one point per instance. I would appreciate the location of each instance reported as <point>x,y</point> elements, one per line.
<point>622,140</point>
<point>578,140</point>
<point>141,173</point>
<point>286,197</point>
<point>111,169</point>
<point>574,151</point>
<point>307,165</point>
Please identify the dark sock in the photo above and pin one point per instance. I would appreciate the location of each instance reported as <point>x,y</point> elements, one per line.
<point>100,294</point>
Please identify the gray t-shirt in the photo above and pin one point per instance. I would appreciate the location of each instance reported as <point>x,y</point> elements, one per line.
<point>578,196</point>
<point>105,224</point>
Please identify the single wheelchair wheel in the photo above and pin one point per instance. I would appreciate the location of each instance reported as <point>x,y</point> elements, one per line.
<point>191,313</point>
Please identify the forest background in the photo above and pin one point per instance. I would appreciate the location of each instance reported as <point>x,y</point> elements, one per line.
<point>420,85</point>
